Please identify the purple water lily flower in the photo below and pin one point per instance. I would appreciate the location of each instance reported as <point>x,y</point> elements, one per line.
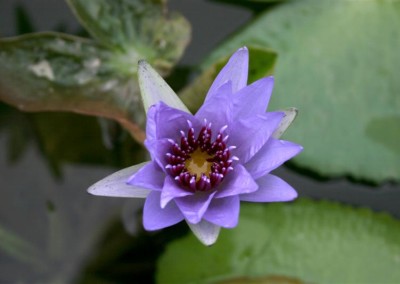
<point>203,165</point>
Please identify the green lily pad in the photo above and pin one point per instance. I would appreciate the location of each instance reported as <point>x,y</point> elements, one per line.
<point>134,30</point>
<point>314,242</point>
<point>339,65</point>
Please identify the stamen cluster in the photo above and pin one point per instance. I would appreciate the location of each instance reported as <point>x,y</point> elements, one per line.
<point>218,152</point>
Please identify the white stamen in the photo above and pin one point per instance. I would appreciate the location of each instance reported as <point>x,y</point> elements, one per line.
<point>223,128</point>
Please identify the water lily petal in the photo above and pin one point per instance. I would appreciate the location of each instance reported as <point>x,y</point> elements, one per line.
<point>273,154</point>
<point>151,125</point>
<point>115,185</point>
<point>271,189</point>
<point>154,89</point>
<point>171,190</point>
<point>155,217</point>
<point>224,212</point>
<point>254,98</point>
<point>194,206</point>
<point>218,109</point>
<point>171,121</point>
<point>252,133</point>
<point>290,115</point>
<point>149,176</point>
<point>206,232</point>
<point>158,149</point>
<point>235,71</point>
<point>237,182</point>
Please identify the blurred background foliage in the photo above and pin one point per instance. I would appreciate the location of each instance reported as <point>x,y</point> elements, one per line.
<point>337,61</point>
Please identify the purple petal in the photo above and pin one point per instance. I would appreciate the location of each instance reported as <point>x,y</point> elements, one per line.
<point>171,121</point>
<point>254,98</point>
<point>235,71</point>
<point>194,206</point>
<point>237,182</point>
<point>224,212</point>
<point>150,176</point>
<point>155,217</point>
<point>171,190</point>
<point>151,125</point>
<point>252,133</point>
<point>206,232</point>
<point>218,109</point>
<point>115,185</point>
<point>157,150</point>
<point>273,154</point>
<point>271,189</point>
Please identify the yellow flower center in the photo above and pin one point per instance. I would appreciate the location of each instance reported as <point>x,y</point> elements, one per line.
<point>197,164</point>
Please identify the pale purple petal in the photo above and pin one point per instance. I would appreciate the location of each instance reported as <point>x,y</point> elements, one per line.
<point>171,121</point>
<point>218,109</point>
<point>206,232</point>
<point>194,206</point>
<point>171,190</point>
<point>287,120</point>
<point>236,182</point>
<point>150,176</point>
<point>235,71</point>
<point>115,185</point>
<point>252,133</point>
<point>224,212</point>
<point>155,217</point>
<point>273,154</point>
<point>154,89</point>
<point>253,99</point>
<point>157,150</point>
<point>271,189</point>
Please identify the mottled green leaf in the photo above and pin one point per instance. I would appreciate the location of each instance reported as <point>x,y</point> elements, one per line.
<point>262,63</point>
<point>134,30</point>
<point>315,242</point>
<point>339,65</point>
<point>56,72</point>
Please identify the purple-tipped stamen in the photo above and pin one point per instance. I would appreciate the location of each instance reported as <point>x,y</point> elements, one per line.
<point>200,164</point>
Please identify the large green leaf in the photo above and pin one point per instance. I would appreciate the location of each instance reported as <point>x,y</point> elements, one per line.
<point>57,72</point>
<point>316,242</point>
<point>339,65</point>
<point>134,30</point>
